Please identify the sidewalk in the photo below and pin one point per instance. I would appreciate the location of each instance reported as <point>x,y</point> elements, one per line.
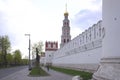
<point>23,75</point>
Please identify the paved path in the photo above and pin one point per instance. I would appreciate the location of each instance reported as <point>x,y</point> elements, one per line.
<point>23,75</point>
<point>7,71</point>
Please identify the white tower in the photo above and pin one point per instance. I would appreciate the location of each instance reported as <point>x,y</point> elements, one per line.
<point>110,63</point>
<point>65,38</point>
<point>50,48</point>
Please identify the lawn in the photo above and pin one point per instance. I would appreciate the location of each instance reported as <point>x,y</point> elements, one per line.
<point>37,71</point>
<point>84,75</point>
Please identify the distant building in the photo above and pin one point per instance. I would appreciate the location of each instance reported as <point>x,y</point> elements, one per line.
<point>50,48</point>
<point>65,37</point>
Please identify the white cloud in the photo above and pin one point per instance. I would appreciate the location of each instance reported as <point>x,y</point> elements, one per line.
<point>89,13</point>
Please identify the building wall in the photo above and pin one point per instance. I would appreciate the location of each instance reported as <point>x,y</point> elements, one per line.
<point>88,60</point>
<point>48,57</point>
<point>83,52</point>
<point>50,48</point>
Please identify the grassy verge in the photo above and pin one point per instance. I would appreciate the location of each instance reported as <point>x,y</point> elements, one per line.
<point>37,71</point>
<point>84,75</point>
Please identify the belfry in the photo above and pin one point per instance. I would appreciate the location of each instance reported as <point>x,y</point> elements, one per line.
<point>65,37</point>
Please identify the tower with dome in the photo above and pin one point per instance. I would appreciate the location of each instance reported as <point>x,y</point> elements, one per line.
<point>65,37</point>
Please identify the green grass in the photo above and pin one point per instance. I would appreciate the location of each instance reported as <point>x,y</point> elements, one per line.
<point>84,75</point>
<point>37,71</point>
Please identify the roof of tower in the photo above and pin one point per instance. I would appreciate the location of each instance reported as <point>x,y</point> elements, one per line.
<point>66,13</point>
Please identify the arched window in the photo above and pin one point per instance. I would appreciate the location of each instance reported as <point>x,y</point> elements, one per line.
<point>51,45</point>
<point>67,23</point>
<point>94,32</point>
<point>67,40</point>
<point>64,41</point>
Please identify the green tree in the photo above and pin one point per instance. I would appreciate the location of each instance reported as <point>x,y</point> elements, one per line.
<point>17,57</point>
<point>24,61</point>
<point>39,46</point>
<point>37,49</point>
<point>5,47</point>
<point>0,58</point>
<point>9,59</point>
<point>5,43</point>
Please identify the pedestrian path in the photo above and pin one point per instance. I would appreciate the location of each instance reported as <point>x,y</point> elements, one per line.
<point>23,75</point>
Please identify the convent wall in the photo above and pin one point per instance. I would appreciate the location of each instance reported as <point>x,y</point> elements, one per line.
<point>83,52</point>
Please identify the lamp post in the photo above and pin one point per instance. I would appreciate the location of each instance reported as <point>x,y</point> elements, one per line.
<point>29,51</point>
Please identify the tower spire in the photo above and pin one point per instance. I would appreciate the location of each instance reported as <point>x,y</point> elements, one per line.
<point>66,7</point>
<point>65,37</point>
<point>66,13</point>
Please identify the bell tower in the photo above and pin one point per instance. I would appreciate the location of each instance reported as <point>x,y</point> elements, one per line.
<point>65,37</point>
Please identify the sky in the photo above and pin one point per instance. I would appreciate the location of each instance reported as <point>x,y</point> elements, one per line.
<point>43,19</point>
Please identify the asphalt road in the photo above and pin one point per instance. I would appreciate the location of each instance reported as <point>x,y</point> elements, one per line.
<point>7,71</point>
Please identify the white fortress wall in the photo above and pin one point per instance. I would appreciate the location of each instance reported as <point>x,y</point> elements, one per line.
<point>48,56</point>
<point>83,52</point>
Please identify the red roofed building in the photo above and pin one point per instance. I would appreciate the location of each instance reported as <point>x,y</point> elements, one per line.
<point>50,48</point>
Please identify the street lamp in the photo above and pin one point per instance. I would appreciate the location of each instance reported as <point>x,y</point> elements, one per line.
<point>29,51</point>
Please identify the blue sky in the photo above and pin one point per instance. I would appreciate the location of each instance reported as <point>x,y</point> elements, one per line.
<point>43,19</point>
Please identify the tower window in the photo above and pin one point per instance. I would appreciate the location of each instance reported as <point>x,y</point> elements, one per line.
<point>67,33</point>
<point>67,24</point>
<point>67,40</point>
<point>51,45</point>
<point>64,41</point>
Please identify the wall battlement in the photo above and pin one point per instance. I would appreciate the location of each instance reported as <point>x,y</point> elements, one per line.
<point>86,48</point>
<point>51,46</point>
<point>89,39</point>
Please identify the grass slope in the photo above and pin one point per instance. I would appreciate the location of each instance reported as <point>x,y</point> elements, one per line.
<point>84,75</point>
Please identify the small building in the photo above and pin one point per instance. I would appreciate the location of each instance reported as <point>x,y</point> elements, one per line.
<point>50,48</point>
